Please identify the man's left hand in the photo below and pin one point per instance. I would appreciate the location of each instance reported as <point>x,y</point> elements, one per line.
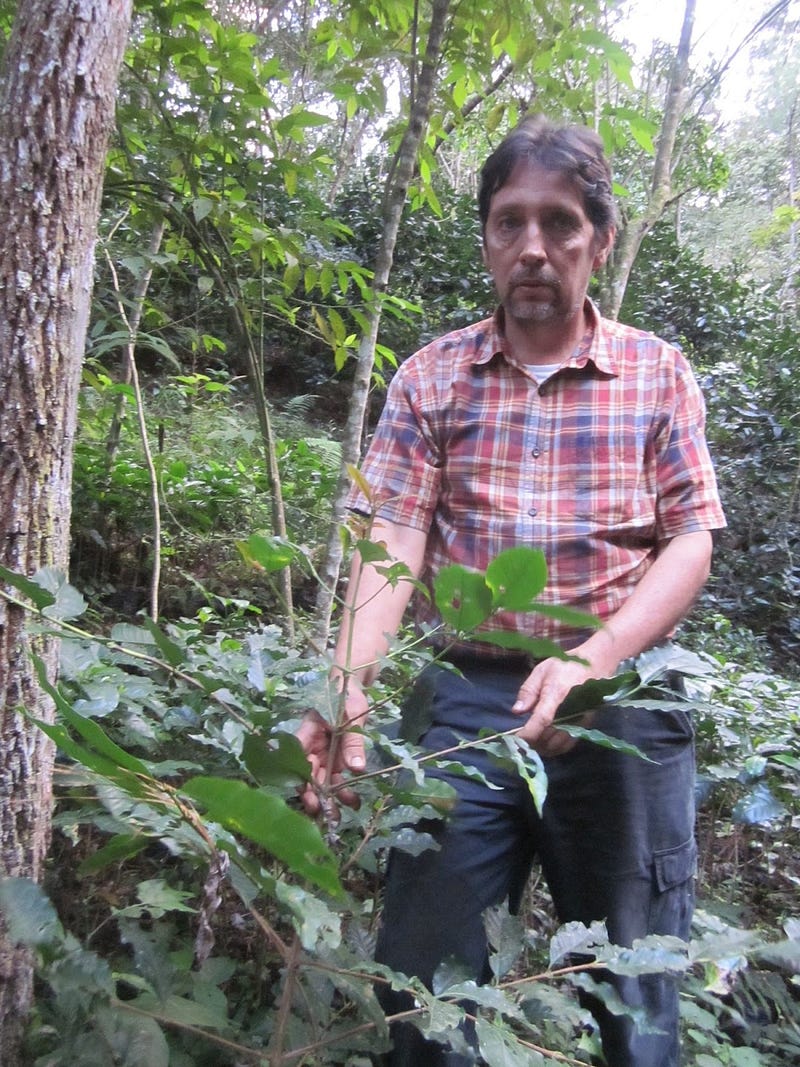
<point>540,697</point>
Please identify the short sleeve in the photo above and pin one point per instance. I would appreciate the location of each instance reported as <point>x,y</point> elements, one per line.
<point>688,498</point>
<point>403,463</point>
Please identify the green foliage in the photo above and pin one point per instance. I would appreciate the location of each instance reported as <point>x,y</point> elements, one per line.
<point>212,479</point>
<point>747,739</point>
<point>242,928</point>
<point>674,293</point>
<point>745,353</point>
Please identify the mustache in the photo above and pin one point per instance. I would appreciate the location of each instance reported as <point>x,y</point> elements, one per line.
<point>538,277</point>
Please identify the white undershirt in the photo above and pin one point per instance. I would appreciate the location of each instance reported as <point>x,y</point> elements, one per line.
<point>540,372</point>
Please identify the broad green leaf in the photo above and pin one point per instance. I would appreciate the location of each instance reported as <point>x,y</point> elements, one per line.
<point>266,553</point>
<point>536,647</point>
<point>516,577</point>
<point>125,633</point>
<point>499,1046</point>
<point>291,124</point>
<point>657,661</point>
<point>595,692</point>
<point>787,760</point>
<point>120,847</point>
<point>316,924</point>
<point>440,795</point>
<point>463,598</point>
<point>100,700</point>
<point>171,652</point>
<point>451,971</point>
<point>442,1021</point>
<point>576,939</point>
<point>613,1002</point>
<point>150,954</point>
<point>654,954</point>
<point>182,1011</point>
<point>530,768</point>
<point>68,603</point>
<point>487,996</point>
<point>506,936</point>
<point>90,731</point>
<point>133,1040</point>
<point>33,590</point>
<point>29,916</point>
<point>783,956</point>
<point>759,806</point>
<point>156,898</point>
<point>372,551</point>
<point>275,761</point>
<point>597,737</point>
<point>270,822</point>
<point>409,840</point>
<point>201,207</point>
<point>106,768</point>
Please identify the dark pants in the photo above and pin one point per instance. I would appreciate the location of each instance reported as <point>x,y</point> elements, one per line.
<point>615,842</point>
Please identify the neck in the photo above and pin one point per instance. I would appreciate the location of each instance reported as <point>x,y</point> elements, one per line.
<point>545,342</point>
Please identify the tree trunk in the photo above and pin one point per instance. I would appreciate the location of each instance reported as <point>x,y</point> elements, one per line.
<point>394,199</point>
<point>56,108</point>
<point>634,230</point>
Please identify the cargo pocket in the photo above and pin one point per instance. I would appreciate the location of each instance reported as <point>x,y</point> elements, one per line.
<point>673,892</point>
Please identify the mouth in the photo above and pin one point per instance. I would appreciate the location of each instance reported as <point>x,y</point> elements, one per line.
<point>534,286</point>
<point>534,282</point>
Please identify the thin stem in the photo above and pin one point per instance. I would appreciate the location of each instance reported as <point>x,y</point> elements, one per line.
<point>155,579</point>
<point>292,963</point>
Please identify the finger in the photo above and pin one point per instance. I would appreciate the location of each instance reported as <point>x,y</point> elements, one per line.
<point>527,696</point>
<point>313,732</point>
<point>310,800</point>
<point>349,798</point>
<point>352,752</point>
<point>555,742</point>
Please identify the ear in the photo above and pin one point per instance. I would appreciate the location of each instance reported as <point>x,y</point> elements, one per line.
<point>605,244</point>
<point>483,253</point>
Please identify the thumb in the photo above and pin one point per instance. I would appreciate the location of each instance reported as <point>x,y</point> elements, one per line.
<point>352,751</point>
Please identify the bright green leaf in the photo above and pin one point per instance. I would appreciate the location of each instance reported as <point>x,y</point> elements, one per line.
<point>266,553</point>
<point>40,596</point>
<point>276,761</point>
<point>270,822</point>
<point>516,577</point>
<point>463,598</point>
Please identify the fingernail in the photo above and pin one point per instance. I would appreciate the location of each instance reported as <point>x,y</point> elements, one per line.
<point>519,706</point>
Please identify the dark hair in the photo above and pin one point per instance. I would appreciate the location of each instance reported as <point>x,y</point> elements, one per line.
<point>574,151</point>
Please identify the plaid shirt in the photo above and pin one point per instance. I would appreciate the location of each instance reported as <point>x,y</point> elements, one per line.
<point>597,466</point>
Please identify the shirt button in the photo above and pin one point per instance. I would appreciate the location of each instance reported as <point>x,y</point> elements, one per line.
<point>531,511</point>
<point>535,453</point>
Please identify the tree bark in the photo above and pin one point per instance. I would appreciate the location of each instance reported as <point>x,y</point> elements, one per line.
<point>634,230</point>
<point>56,108</point>
<point>394,198</point>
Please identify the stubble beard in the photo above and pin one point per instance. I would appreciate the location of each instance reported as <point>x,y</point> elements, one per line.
<point>527,310</point>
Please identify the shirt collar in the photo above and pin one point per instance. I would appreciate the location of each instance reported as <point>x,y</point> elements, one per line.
<point>594,347</point>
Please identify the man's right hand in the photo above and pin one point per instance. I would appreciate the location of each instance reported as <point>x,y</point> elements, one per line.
<point>332,751</point>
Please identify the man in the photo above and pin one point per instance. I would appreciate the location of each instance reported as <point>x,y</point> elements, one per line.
<point>551,427</point>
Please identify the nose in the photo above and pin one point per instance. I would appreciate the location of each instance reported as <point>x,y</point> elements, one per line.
<point>532,249</point>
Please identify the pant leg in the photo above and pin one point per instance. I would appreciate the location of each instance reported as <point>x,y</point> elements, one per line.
<point>434,902</point>
<point>618,845</point>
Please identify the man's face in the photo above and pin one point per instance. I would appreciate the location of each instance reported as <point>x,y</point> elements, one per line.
<point>541,248</point>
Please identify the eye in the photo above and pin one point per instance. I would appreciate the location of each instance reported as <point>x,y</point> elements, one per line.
<point>563,223</point>
<point>503,229</point>
<point>507,223</point>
